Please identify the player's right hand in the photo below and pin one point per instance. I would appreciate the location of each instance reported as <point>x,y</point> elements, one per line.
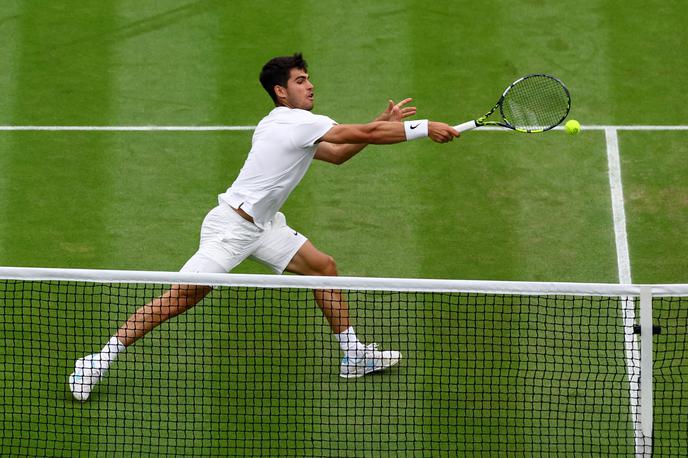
<point>441,132</point>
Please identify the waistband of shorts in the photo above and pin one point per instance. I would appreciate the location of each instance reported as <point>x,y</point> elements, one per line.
<point>237,216</point>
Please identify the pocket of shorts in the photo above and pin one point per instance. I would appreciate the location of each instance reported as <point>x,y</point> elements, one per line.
<point>279,220</point>
<point>239,240</point>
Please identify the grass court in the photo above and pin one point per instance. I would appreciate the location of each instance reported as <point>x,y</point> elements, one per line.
<point>488,206</point>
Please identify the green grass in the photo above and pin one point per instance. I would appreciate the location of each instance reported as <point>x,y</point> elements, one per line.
<point>498,207</point>
<point>654,171</point>
<point>487,206</point>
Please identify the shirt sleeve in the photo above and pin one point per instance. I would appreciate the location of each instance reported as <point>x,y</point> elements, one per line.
<point>308,130</point>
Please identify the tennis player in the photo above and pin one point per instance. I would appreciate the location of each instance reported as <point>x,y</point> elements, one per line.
<point>247,221</point>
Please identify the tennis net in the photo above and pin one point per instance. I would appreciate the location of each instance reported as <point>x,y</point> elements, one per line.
<point>488,368</point>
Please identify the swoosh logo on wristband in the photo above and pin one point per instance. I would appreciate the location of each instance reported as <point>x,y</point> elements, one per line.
<point>413,127</point>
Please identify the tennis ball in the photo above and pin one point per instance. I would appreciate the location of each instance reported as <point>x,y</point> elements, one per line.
<point>572,127</point>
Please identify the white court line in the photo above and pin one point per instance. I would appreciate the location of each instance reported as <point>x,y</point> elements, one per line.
<point>127,128</point>
<point>248,128</point>
<point>630,127</point>
<point>643,442</point>
<point>618,212</point>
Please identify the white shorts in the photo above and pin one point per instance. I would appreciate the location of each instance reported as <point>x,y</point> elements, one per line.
<point>227,239</point>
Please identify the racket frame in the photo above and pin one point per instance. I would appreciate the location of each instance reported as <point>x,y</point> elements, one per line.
<point>482,121</point>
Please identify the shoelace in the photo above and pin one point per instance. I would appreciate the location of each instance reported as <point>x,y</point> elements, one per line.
<point>372,346</point>
<point>362,357</point>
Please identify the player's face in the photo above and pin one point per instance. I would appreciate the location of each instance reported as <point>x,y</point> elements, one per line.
<point>299,90</point>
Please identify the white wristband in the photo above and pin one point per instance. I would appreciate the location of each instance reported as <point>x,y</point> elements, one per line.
<point>416,129</point>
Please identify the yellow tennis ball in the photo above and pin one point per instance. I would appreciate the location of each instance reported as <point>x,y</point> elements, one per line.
<point>572,127</point>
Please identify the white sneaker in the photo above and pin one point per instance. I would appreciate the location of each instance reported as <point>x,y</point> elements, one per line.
<point>88,371</point>
<point>371,360</point>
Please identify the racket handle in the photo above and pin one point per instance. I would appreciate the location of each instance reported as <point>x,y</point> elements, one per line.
<point>466,126</point>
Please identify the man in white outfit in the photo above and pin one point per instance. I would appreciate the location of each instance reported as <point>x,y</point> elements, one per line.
<point>247,222</point>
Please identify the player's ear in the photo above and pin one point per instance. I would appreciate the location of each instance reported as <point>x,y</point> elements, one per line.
<point>280,91</point>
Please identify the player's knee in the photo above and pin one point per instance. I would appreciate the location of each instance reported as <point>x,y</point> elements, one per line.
<point>188,296</point>
<point>327,267</point>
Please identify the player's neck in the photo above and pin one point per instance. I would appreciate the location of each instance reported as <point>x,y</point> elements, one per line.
<point>285,104</point>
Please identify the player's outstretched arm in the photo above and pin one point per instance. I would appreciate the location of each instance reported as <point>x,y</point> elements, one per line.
<point>340,153</point>
<point>385,132</point>
<point>344,141</point>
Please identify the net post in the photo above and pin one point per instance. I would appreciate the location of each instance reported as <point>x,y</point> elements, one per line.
<point>646,396</point>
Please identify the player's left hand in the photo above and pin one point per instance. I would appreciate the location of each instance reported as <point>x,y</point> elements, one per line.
<point>397,111</point>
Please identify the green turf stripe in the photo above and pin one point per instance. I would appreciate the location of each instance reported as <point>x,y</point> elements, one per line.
<point>459,223</point>
<point>645,54</point>
<point>344,208</point>
<point>166,67</point>
<point>245,38</point>
<point>62,77</point>
<point>8,29</point>
<point>654,178</point>
<point>155,176</point>
<point>164,184</point>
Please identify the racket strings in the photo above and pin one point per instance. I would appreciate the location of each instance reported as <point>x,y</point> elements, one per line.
<point>536,102</point>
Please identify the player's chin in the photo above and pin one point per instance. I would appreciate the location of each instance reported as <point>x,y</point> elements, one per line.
<point>307,104</point>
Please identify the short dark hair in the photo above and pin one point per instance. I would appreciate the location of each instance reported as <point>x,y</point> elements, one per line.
<point>276,72</point>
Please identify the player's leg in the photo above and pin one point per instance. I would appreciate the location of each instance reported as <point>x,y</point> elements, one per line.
<point>175,301</point>
<point>90,369</point>
<point>358,359</point>
<point>282,249</point>
<point>221,228</point>
<point>226,240</point>
<point>308,260</point>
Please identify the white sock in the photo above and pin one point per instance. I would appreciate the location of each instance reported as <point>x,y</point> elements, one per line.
<point>110,351</point>
<point>349,342</point>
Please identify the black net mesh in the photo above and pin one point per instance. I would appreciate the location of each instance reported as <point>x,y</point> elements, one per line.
<point>536,102</point>
<point>255,372</point>
<point>670,376</point>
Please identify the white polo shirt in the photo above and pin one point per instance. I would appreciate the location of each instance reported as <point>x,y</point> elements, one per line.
<point>282,149</point>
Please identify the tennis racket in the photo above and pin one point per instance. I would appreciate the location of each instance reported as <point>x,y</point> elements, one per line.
<point>534,103</point>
